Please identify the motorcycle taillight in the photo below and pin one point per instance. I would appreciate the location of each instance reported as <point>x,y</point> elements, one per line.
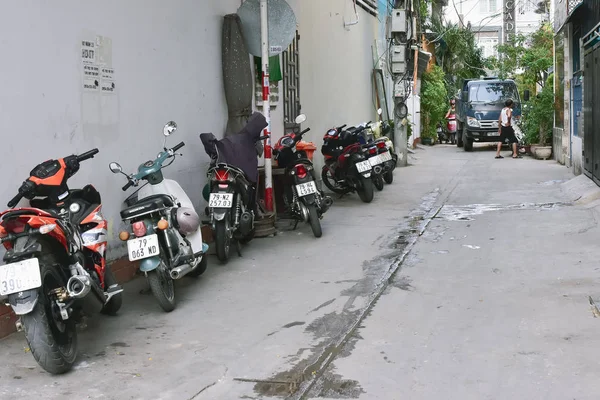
<point>139,228</point>
<point>301,171</point>
<point>381,145</point>
<point>221,175</point>
<point>373,150</point>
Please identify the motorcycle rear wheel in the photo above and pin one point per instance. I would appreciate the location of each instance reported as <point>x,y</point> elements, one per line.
<point>116,301</point>
<point>365,191</point>
<point>222,240</point>
<point>162,287</point>
<point>388,177</point>
<point>52,341</point>
<point>315,223</point>
<point>378,182</point>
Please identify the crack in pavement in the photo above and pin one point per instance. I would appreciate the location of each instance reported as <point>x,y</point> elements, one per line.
<point>205,388</point>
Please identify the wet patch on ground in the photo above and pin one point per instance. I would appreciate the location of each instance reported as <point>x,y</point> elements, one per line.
<point>469,211</point>
<point>335,333</point>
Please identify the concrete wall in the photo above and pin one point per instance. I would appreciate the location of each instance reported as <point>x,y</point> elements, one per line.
<point>167,62</point>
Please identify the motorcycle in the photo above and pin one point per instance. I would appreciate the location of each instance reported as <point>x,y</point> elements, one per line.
<point>303,198</point>
<point>232,176</point>
<point>165,229</point>
<point>442,136</point>
<point>346,168</point>
<point>55,273</point>
<point>451,128</point>
<point>380,131</point>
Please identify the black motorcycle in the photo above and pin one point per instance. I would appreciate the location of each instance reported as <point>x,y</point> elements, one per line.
<point>232,175</point>
<point>305,201</point>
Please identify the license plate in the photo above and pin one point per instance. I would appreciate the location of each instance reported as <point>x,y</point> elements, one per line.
<point>385,156</point>
<point>20,276</point>
<point>307,188</point>
<point>375,160</point>
<point>144,247</point>
<point>220,200</point>
<point>363,166</point>
<point>492,134</point>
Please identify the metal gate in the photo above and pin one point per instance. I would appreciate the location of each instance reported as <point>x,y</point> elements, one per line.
<point>291,85</point>
<point>591,138</point>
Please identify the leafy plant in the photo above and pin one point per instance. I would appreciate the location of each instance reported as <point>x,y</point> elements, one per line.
<point>434,102</point>
<point>538,117</point>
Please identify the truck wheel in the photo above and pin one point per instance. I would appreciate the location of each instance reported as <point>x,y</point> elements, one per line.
<point>469,145</point>
<point>459,138</point>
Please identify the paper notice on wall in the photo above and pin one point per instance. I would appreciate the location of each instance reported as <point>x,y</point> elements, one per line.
<point>108,80</point>
<point>91,72</point>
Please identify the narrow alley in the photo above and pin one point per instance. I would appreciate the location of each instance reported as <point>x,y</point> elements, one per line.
<point>467,278</point>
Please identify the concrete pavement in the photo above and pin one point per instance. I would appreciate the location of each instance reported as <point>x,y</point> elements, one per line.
<point>465,278</point>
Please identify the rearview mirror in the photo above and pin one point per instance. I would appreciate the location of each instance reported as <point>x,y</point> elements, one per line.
<point>115,168</point>
<point>526,95</point>
<point>300,118</point>
<point>379,111</point>
<point>169,128</point>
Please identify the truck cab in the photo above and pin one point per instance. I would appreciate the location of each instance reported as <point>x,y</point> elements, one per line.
<point>478,107</point>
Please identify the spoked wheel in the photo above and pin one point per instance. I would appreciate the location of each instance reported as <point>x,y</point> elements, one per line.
<point>331,183</point>
<point>378,182</point>
<point>315,222</point>
<point>162,287</point>
<point>200,268</point>
<point>223,239</point>
<point>53,342</point>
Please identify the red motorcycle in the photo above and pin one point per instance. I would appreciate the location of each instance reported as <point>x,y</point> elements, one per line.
<point>55,270</point>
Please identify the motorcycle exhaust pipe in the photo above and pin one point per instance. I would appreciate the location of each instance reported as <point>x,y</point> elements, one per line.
<point>245,223</point>
<point>79,288</point>
<point>377,169</point>
<point>181,271</point>
<point>326,203</point>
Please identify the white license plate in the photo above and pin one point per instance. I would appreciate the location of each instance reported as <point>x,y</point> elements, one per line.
<point>385,156</point>
<point>363,166</point>
<point>143,247</point>
<point>493,134</point>
<point>375,160</point>
<point>20,276</point>
<point>220,200</point>
<point>304,189</point>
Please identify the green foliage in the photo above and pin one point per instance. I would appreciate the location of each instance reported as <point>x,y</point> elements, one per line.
<point>532,54</point>
<point>434,101</point>
<point>538,116</point>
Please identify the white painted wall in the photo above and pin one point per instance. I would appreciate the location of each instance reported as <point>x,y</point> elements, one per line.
<point>335,67</point>
<point>167,61</point>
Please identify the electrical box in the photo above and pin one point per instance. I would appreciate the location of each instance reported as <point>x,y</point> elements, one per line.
<point>398,21</point>
<point>398,59</point>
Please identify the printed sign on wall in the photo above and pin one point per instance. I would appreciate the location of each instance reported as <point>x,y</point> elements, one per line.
<point>96,59</point>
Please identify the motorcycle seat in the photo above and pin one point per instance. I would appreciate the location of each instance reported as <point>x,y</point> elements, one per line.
<point>147,205</point>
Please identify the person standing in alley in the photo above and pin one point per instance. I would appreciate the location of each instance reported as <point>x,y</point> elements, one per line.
<point>506,130</point>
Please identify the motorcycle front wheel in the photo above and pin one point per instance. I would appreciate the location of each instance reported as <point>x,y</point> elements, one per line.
<point>315,222</point>
<point>223,239</point>
<point>378,182</point>
<point>162,287</point>
<point>365,190</point>
<point>52,341</point>
<point>331,183</point>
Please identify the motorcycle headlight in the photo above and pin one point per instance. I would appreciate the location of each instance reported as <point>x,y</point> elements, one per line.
<point>473,122</point>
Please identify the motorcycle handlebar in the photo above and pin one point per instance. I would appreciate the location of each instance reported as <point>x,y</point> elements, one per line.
<point>15,200</point>
<point>304,131</point>
<point>87,155</point>
<point>177,147</point>
<point>341,127</point>
<point>127,186</point>
<point>263,138</point>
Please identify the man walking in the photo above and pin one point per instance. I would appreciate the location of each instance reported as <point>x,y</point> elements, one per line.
<point>506,130</point>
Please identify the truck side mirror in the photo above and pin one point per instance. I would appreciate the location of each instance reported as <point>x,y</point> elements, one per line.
<point>526,95</point>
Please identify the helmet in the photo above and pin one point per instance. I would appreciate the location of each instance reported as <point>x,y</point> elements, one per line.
<point>185,220</point>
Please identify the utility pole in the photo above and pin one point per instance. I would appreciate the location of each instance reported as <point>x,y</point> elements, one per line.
<point>264,31</point>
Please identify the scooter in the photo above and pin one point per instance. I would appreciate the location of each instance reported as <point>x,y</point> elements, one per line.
<point>303,197</point>
<point>232,176</point>
<point>380,130</point>
<point>165,229</point>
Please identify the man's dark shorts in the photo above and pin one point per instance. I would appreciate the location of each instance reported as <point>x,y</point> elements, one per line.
<point>507,133</point>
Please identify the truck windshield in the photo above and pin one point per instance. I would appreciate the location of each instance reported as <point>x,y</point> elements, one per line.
<point>493,92</point>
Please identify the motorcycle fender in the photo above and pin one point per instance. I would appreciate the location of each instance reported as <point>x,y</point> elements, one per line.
<point>23,302</point>
<point>220,213</point>
<point>149,264</point>
<point>309,199</point>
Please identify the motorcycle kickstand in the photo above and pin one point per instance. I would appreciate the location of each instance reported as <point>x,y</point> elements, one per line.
<point>238,248</point>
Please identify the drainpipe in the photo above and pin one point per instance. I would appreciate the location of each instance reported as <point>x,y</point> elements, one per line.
<point>264,33</point>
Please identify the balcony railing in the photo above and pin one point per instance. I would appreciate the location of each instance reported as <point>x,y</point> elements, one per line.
<point>572,4</point>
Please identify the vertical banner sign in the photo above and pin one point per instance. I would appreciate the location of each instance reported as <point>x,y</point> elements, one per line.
<point>509,24</point>
<point>91,72</point>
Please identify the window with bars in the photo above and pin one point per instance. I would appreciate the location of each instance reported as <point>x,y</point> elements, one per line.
<point>369,6</point>
<point>488,6</point>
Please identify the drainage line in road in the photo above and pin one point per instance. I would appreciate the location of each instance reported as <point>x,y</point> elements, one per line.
<point>329,355</point>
